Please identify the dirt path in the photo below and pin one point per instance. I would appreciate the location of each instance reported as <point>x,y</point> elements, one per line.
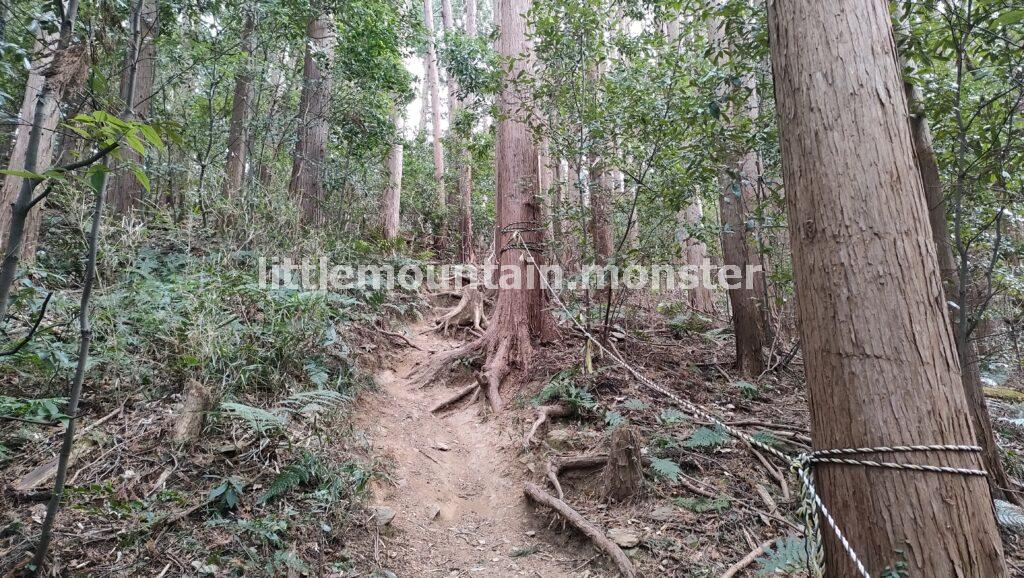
<point>457,485</point>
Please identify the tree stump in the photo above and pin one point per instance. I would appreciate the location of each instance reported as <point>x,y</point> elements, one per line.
<point>624,472</point>
<point>198,401</point>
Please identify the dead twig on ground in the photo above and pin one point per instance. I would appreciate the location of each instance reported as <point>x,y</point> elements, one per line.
<point>747,560</point>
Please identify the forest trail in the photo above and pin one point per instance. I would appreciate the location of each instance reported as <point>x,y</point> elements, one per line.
<point>456,483</point>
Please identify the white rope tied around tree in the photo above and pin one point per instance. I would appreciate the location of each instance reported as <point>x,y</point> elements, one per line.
<point>812,505</point>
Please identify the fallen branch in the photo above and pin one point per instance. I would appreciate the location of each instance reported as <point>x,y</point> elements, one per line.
<point>544,413</point>
<point>596,535</point>
<point>747,560</point>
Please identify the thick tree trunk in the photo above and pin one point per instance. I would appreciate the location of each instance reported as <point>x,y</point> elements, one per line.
<point>880,360</point>
<point>59,70</point>
<point>999,482</point>
<point>238,129</point>
<point>624,472</point>
<point>435,112</point>
<point>314,107</point>
<point>519,318</point>
<point>393,193</point>
<point>694,252</point>
<point>124,191</point>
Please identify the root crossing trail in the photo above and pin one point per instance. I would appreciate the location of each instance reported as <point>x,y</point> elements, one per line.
<point>456,484</point>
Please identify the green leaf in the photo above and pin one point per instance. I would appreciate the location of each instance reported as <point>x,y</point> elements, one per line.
<point>23,174</point>
<point>787,556</point>
<point>706,438</point>
<point>614,419</point>
<point>1009,515</point>
<point>671,416</point>
<point>635,404</point>
<point>134,142</point>
<point>141,177</point>
<point>152,136</point>
<point>1009,17</point>
<point>97,178</point>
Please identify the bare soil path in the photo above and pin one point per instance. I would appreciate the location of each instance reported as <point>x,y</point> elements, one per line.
<point>456,486</point>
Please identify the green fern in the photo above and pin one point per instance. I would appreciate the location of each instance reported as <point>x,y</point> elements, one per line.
<point>259,420</point>
<point>702,505</point>
<point>313,401</point>
<point>766,438</point>
<point>706,438</point>
<point>671,416</point>
<point>635,404</point>
<point>666,468</point>
<point>786,556</point>
<point>292,476</point>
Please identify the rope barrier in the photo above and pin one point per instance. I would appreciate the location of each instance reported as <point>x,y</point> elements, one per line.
<point>801,465</point>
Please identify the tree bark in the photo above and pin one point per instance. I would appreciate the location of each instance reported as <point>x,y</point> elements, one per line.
<point>880,360</point>
<point>739,244</point>
<point>435,112</point>
<point>306,183</point>
<point>694,252</point>
<point>62,67</point>
<point>125,192</point>
<point>234,166</point>
<point>519,318</point>
<point>999,482</point>
<point>624,471</point>
<point>455,104</point>
<point>45,47</point>
<point>393,193</point>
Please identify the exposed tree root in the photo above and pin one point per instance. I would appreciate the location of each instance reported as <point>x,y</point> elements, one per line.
<point>505,345</point>
<point>558,465</point>
<point>398,336</point>
<point>544,413</point>
<point>591,531</point>
<point>473,388</point>
<point>468,313</point>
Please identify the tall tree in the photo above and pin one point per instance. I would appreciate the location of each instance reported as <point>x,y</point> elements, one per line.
<point>519,318</point>
<point>306,183</point>
<point>970,370</point>
<point>881,363</point>
<point>736,206</point>
<point>58,69</point>
<point>234,165</point>
<point>435,111</point>
<point>465,178</point>
<point>125,190</point>
<point>694,253</point>
<point>393,192</point>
